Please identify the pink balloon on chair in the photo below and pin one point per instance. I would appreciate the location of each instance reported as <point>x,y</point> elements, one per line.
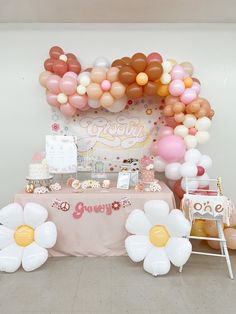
<point>154,56</point>
<point>68,85</point>
<point>52,84</point>
<point>164,131</point>
<point>171,148</point>
<point>68,110</point>
<point>78,101</point>
<point>52,99</point>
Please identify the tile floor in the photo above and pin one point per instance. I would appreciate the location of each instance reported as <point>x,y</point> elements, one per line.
<point>115,285</point>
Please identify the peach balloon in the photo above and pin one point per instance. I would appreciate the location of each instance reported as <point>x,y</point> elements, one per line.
<point>194,106</point>
<point>98,74</point>
<point>106,100</point>
<point>117,90</point>
<point>210,228</point>
<point>168,111</point>
<point>112,74</point>
<point>171,100</point>
<point>201,113</point>
<point>232,219</point>
<point>178,107</point>
<point>230,236</point>
<point>179,117</point>
<point>43,77</point>
<point>214,244</point>
<point>94,91</point>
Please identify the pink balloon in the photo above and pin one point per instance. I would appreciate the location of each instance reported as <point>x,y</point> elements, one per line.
<point>164,131</point>
<point>176,87</point>
<point>71,74</point>
<point>188,96</point>
<point>68,85</point>
<point>106,85</point>
<point>196,87</point>
<point>68,110</point>
<point>177,72</point>
<point>154,56</point>
<point>52,84</point>
<point>85,108</point>
<point>171,148</point>
<point>78,101</point>
<point>154,149</point>
<point>52,99</point>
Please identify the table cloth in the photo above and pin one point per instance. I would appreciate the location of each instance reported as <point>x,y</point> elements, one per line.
<point>92,223</point>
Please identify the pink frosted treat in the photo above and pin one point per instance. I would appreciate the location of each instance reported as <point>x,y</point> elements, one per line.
<point>147,170</point>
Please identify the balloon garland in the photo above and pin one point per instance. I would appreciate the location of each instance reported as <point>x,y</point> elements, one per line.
<point>187,115</point>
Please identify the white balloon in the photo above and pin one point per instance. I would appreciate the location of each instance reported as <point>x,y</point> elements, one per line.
<point>156,211</point>
<point>193,155</point>
<point>81,75</point>
<point>118,105</point>
<point>6,237</point>
<point>177,225</point>
<point>81,90</point>
<point>203,124</point>
<point>189,120</point>
<point>101,62</point>
<point>188,169</point>
<point>157,262</point>
<point>205,162</point>
<point>137,223</point>
<point>34,256</point>
<point>192,184</point>
<point>181,130</point>
<point>172,171</point>
<point>10,258</point>
<point>165,78</point>
<point>202,137</point>
<point>137,247</point>
<point>178,251</point>
<point>46,235</point>
<point>11,216</point>
<point>34,214</point>
<point>85,80</point>
<point>205,177</point>
<point>167,66</point>
<point>159,164</point>
<point>94,103</point>
<point>190,141</point>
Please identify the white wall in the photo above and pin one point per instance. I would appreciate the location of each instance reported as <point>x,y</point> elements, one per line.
<point>25,115</point>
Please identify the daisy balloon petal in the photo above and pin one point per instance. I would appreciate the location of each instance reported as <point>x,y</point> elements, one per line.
<point>25,237</point>
<point>158,237</point>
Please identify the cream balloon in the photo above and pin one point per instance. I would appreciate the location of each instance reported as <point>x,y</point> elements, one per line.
<point>106,100</point>
<point>98,74</point>
<point>188,67</point>
<point>101,62</point>
<point>62,98</point>
<point>190,141</point>
<point>94,103</point>
<point>43,77</point>
<point>118,105</point>
<point>202,137</point>
<point>167,66</point>
<point>81,90</point>
<point>181,130</point>
<point>112,74</point>
<point>165,78</point>
<point>189,121</point>
<point>203,124</point>
<point>117,90</point>
<point>85,80</point>
<point>94,91</point>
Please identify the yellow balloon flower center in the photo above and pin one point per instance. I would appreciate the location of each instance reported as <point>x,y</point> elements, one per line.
<point>24,235</point>
<point>159,236</point>
<point>142,78</point>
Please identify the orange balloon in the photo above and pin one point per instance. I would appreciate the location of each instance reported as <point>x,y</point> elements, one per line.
<point>139,62</point>
<point>127,75</point>
<point>142,78</point>
<point>168,111</point>
<point>163,90</point>
<point>211,228</point>
<point>230,236</point>
<point>178,107</point>
<point>198,228</point>
<point>150,89</point>
<point>214,244</point>
<point>118,63</point>
<point>179,117</point>
<point>188,82</point>
<point>134,91</point>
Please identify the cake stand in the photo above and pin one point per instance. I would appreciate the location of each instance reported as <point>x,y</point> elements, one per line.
<point>47,181</point>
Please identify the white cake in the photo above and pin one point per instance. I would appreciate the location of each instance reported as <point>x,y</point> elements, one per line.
<point>38,171</point>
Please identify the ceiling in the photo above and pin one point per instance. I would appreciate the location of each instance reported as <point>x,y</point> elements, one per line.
<point>138,11</point>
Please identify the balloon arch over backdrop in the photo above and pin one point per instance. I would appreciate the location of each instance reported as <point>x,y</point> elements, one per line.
<point>114,87</point>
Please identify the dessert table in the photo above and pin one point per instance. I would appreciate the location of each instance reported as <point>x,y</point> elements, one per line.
<point>92,223</point>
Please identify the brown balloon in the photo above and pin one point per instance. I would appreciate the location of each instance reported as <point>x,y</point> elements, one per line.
<point>150,89</point>
<point>55,52</point>
<point>201,113</point>
<point>70,56</point>
<point>126,60</point>
<point>194,106</point>
<point>127,75</point>
<point>154,70</point>
<point>178,107</point>
<point>168,111</point>
<point>134,91</point>
<point>139,62</point>
<point>118,63</point>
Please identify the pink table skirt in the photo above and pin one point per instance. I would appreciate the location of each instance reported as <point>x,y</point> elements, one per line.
<point>92,223</point>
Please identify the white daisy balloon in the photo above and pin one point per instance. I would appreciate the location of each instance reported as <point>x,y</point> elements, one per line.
<point>25,237</point>
<point>158,237</point>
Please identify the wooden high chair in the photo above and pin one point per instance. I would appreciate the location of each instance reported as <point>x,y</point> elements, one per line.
<point>209,205</point>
